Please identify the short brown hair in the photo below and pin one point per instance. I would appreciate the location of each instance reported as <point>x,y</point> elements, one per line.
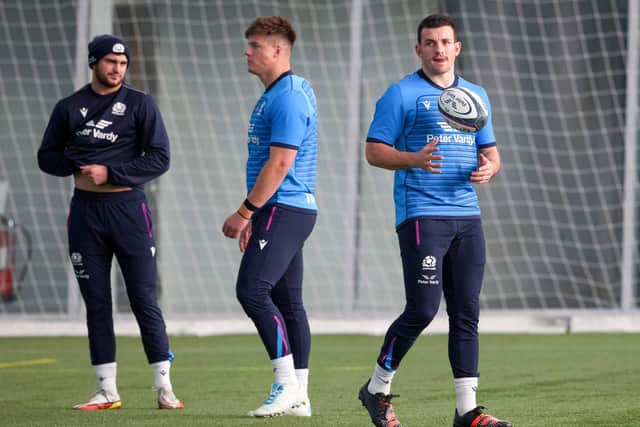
<point>272,25</point>
<point>436,21</point>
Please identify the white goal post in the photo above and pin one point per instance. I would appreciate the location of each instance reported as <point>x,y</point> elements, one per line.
<point>560,218</point>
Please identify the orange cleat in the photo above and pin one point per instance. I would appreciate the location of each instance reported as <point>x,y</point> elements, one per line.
<point>168,400</point>
<point>379,407</point>
<point>100,399</point>
<point>478,418</point>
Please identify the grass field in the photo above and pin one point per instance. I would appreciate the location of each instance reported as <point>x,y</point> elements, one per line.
<point>534,380</point>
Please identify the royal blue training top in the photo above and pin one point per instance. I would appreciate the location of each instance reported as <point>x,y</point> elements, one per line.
<point>286,115</point>
<point>122,130</point>
<point>407,118</point>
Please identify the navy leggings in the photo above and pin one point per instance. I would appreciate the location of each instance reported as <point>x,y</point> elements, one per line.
<point>102,225</point>
<point>439,256</point>
<point>269,285</point>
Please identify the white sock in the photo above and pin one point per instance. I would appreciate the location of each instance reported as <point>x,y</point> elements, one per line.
<point>106,374</point>
<point>380,381</point>
<point>303,381</point>
<point>284,371</point>
<point>465,394</point>
<point>161,374</point>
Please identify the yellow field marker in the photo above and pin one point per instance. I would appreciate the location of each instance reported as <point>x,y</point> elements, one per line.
<point>20,363</point>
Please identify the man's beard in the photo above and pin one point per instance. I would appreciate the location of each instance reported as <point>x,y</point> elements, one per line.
<point>104,81</point>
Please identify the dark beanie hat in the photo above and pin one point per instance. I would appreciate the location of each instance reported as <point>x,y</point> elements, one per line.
<point>105,44</point>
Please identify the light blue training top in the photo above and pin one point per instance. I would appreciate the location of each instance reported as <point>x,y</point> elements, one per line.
<point>286,115</point>
<point>407,118</point>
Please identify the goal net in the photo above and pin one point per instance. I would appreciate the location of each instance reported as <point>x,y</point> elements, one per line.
<point>559,218</point>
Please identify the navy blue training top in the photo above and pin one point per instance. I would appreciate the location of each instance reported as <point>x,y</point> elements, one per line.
<point>122,130</point>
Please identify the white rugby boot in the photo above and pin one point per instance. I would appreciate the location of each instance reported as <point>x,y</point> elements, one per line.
<point>168,400</point>
<point>100,399</point>
<point>281,398</point>
<point>301,408</point>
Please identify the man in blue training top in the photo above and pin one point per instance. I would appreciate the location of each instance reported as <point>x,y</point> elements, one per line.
<point>278,213</point>
<point>112,139</point>
<point>437,219</point>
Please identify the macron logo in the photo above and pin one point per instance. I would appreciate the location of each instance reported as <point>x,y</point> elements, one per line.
<point>262,243</point>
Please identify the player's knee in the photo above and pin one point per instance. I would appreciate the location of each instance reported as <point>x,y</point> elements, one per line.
<point>420,317</point>
<point>424,317</point>
<point>253,302</point>
<point>464,321</point>
<point>99,311</point>
<point>142,303</point>
<point>463,326</point>
<point>291,310</point>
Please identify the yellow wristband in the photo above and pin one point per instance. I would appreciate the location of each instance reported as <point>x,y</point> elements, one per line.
<point>244,212</point>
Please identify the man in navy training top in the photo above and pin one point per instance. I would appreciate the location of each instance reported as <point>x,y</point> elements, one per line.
<point>437,219</point>
<point>278,213</point>
<point>112,139</point>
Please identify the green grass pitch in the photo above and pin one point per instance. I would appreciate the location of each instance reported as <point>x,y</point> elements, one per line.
<point>533,380</point>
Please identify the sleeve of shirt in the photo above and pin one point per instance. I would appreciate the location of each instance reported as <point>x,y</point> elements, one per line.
<point>289,117</point>
<point>51,154</point>
<point>154,142</point>
<point>387,123</point>
<point>485,137</point>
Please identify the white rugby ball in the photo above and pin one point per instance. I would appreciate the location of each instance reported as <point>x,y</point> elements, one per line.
<point>462,109</point>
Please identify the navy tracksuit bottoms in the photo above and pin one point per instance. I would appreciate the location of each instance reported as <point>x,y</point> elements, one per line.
<point>101,225</point>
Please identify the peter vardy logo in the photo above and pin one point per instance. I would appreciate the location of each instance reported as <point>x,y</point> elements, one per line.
<point>102,124</point>
<point>429,279</point>
<point>455,138</point>
<point>80,273</point>
<point>445,126</point>
<point>96,130</point>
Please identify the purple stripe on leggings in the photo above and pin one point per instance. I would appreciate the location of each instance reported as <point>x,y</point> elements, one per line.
<point>146,217</point>
<point>386,358</point>
<point>281,329</point>
<point>273,211</point>
<point>418,233</point>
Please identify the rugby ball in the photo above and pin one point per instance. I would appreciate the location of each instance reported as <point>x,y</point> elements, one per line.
<point>462,109</point>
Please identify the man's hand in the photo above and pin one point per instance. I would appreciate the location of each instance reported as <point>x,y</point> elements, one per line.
<point>97,173</point>
<point>234,225</point>
<point>245,235</point>
<point>485,170</point>
<point>424,159</point>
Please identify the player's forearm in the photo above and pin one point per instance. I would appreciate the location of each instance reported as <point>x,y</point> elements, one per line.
<point>55,163</point>
<point>493,155</point>
<point>140,170</point>
<point>387,157</point>
<point>268,181</point>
